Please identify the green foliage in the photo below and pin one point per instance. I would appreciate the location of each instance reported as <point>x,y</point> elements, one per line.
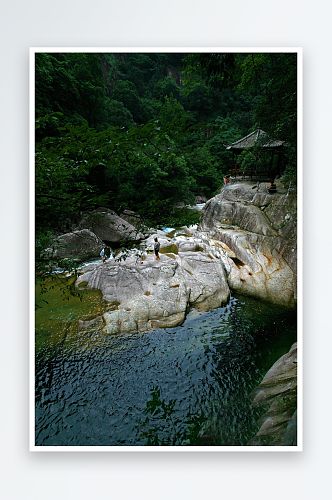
<point>272,79</point>
<point>44,240</point>
<point>289,176</point>
<point>207,173</point>
<point>126,93</point>
<point>216,69</point>
<point>72,84</point>
<point>166,87</point>
<point>139,168</point>
<point>247,160</point>
<point>267,92</point>
<point>62,165</point>
<point>207,157</point>
<point>141,131</point>
<point>153,174</point>
<point>200,100</point>
<point>150,108</point>
<point>118,115</point>
<point>252,160</point>
<point>172,115</point>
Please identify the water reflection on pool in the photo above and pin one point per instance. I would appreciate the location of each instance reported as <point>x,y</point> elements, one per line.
<point>93,389</point>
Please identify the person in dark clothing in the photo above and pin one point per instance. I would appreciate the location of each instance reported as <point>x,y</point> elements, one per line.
<point>272,188</point>
<point>156,248</point>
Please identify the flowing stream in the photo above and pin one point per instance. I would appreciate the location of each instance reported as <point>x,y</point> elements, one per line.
<point>94,389</point>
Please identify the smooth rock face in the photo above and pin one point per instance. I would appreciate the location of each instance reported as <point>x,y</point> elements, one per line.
<point>260,230</point>
<point>281,378</point>
<point>277,392</point>
<point>154,293</point>
<point>77,245</point>
<point>258,270</point>
<point>206,278</point>
<point>108,226</point>
<point>166,243</point>
<point>247,217</point>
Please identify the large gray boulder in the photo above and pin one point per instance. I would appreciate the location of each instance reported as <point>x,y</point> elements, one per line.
<point>149,293</point>
<point>108,226</point>
<point>260,230</point>
<point>257,269</point>
<point>220,213</point>
<point>205,276</point>
<point>132,217</point>
<point>277,393</point>
<point>256,211</point>
<point>236,246</point>
<point>281,379</point>
<point>80,245</point>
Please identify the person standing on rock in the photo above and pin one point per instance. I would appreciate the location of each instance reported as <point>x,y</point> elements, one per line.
<point>272,188</point>
<point>156,248</point>
<point>105,254</point>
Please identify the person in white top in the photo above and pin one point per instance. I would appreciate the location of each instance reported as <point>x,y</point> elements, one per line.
<point>105,254</point>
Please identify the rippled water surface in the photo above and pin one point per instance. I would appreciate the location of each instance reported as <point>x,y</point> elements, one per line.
<point>96,389</point>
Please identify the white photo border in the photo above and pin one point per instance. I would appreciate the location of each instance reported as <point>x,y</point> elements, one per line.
<point>299,446</point>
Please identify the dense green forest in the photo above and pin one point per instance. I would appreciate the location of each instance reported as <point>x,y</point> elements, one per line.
<point>143,131</point>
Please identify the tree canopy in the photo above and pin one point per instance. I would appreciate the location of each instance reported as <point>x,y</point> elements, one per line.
<point>144,131</point>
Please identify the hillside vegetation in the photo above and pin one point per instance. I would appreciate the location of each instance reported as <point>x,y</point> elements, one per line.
<point>143,131</point>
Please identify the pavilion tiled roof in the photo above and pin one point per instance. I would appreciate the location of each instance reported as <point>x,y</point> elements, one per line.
<point>250,140</point>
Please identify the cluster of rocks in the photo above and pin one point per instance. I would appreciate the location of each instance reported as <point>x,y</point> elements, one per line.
<point>261,231</point>
<point>146,293</point>
<point>245,242</point>
<point>101,226</point>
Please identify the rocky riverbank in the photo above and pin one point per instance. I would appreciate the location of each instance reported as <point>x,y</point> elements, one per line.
<point>245,242</point>
<point>261,230</point>
<point>149,293</point>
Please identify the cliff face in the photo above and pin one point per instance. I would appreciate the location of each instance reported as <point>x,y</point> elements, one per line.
<point>261,230</point>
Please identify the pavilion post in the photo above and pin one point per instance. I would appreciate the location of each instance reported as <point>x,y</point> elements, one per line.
<point>271,166</point>
<point>279,162</point>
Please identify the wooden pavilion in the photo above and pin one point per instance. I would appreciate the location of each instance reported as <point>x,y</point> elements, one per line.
<point>261,141</point>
